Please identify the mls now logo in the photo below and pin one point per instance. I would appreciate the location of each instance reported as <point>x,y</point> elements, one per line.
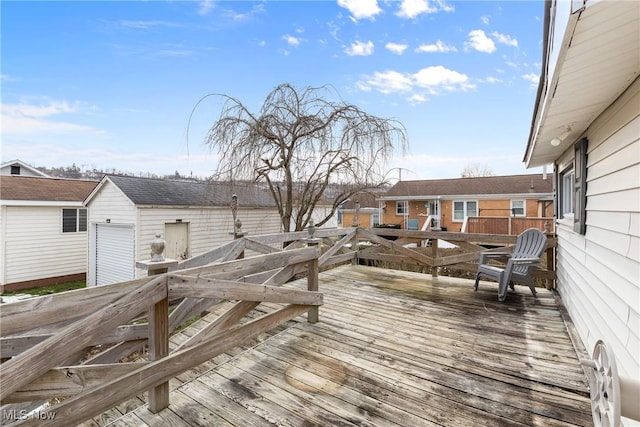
<point>22,414</point>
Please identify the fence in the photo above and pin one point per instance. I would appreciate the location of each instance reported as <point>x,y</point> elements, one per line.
<point>506,225</point>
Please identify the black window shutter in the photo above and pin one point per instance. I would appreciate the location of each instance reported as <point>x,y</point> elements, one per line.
<point>580,187</point>
<point>557,191</point>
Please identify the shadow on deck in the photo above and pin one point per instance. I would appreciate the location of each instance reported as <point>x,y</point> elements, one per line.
<point>391,348</point>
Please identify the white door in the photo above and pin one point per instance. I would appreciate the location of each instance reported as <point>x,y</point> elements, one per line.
<point>176,237</point>
<point>115,261</point>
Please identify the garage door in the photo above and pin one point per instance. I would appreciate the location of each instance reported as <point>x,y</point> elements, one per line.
<point>115,261</point>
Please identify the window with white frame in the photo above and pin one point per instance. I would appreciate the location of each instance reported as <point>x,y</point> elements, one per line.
<point>464,208</point>
<point>567,178</point>
<point>74,220</point>
<point>402,208</point>
<point>518,208</point>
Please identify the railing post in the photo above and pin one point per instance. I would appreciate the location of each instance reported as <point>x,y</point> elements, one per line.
<point>158,318</point>
<point>159,348</point>
<point>313,270</point>
<point>237,224</point>
<point>434,254</point>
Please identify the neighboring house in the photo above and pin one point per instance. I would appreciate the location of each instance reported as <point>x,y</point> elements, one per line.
<point>43,230</point>
<point>449,201</point>
<point>125,214</point>
<point>587,123</point>
<point>18,167</point>
<point>361,210</point>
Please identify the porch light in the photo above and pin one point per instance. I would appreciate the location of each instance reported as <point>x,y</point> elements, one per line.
<point>558,139</point>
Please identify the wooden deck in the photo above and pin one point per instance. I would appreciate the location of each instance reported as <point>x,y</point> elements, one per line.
<point>392,348</point>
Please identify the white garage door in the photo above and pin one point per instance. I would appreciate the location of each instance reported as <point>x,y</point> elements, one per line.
<point>115,260</point>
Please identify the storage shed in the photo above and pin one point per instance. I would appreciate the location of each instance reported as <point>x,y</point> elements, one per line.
<point>125,214</point>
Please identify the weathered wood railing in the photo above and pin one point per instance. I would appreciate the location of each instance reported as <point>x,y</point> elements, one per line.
<point>48,343</point>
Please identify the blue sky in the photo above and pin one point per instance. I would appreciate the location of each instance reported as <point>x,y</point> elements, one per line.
<point>112,84</point>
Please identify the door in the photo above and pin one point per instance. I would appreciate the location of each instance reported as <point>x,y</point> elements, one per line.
<point>176,236</point>
<point>114,252</point>
<point>433,207</point>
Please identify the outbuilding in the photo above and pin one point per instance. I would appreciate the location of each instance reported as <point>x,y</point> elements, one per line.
<point>125,214</point>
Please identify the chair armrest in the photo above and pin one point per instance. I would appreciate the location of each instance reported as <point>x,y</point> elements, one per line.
<point>485,256</point>
<point>524,261</point>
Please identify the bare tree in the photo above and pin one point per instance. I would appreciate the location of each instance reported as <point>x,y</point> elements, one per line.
<point>300,143</point>
<point>473,170</point>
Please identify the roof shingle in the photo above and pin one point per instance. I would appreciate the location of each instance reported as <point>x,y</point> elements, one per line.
<point>29,188</point>
<point>147,191</point>
<point>509,184</point>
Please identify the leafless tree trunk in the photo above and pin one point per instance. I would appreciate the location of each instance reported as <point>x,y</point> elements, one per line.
<point>301,145</point>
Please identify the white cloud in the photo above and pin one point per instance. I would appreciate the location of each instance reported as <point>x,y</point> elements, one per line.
<point>412,8</point>
<point>492,80</point>
<point>205,6</point>
<point>438,46</point>
<point>396,48</point>
<point>438,78</point>
<point>485,19</point>
<point>387,82</point>
<point>427,81</point>
<point>417,99</point>
<point>359,48</point>
<point>532,77</point>
<point>291,40</point>
<point>37,119</point>
<point>479,41</point>
<point>361,9</point>
<point>505,39</point>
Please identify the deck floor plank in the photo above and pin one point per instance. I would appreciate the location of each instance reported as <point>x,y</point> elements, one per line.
<point>391,348</point>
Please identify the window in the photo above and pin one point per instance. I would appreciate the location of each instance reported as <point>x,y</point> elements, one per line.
<point>15,170</point>
<point>565,197</point>
<point>518,208</point>
<point>401,208</point>
<point>74,220</point>
<point>571,187</point>
<point>464,208</point>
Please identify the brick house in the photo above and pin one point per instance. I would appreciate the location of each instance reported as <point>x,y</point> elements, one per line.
<point>447,202</point>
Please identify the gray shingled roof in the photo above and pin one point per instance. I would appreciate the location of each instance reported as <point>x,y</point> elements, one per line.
<point>146,191</point>
<point>509,184</point>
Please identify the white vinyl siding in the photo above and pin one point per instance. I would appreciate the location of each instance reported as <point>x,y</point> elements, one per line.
<point>112,205</point>
<point>208,227</point>
<point>598,273</point>
<point>35,247</point>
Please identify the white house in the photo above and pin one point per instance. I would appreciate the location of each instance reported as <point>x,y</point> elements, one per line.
<point>125,214</point>
<point>18,167</point>
<point>586,123</point>
<point>43,230</point>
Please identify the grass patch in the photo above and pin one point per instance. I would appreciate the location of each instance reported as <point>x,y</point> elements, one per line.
<point>53,289</point>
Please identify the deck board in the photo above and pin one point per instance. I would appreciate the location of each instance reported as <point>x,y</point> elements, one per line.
<point>391,348</point>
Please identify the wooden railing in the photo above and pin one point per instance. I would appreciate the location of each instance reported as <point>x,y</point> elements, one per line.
<point>50,345</point>
<point>506,224</point>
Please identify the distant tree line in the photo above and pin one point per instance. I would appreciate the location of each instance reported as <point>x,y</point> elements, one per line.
<point>91,173</point>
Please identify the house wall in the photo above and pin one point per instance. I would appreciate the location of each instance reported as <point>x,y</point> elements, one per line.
<point>109,204</point>
<point>34,246</point>
<point>598,273</point>
<point>208,227</point>
<point>494,207</point>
